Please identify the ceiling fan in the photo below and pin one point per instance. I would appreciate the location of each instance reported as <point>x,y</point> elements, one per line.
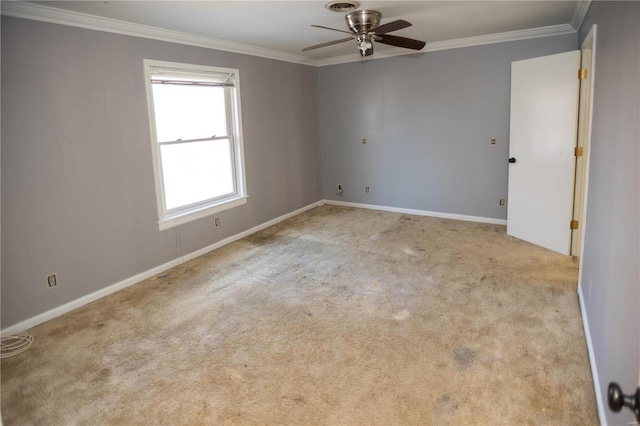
<point>364,28</point>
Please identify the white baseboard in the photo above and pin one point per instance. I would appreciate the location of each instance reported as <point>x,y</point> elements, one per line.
<point>60,310</point>
<point>419,212</point>
<point>592,360</point>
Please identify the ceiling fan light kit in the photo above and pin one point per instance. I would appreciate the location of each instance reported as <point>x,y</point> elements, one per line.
<point>364,45</point>
<point>364,27</point>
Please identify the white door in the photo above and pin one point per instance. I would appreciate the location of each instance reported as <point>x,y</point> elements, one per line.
<point>542,138</point>
<point>584,130</point>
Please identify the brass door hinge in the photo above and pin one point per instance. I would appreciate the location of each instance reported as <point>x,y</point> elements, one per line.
<point>582,73</point>
<point>578,151</point>
<point>574,224</point>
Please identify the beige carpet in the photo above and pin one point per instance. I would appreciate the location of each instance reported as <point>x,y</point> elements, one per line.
<point>338,316</point>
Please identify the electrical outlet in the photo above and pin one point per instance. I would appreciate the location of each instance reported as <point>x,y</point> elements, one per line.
<point>366,189</point>
<point>502,201</point>
<point>52,280</point>
<point>217,221</point>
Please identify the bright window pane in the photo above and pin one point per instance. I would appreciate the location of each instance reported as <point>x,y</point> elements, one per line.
<point>196,171</point>
<point>189,112</point>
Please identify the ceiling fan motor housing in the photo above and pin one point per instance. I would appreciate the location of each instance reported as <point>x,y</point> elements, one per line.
<point>364,26</point>
<point>363,21</point>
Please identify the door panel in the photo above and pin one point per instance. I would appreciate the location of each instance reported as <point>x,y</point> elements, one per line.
<point>584,126</point>
<point>544,118</point>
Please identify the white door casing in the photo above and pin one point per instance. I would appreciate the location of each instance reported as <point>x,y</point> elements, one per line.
<point>584,126</point>
<point>542,138</point>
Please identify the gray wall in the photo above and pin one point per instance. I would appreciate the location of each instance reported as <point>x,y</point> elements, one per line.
<point>428,118</point>
<point>78,195</point>
<point>611,274</point>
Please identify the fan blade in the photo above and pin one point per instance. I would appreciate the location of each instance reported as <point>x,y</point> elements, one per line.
<point>407,43</point>
<point>332,29</point>
<point>329,43</point>
<point>391,26</point>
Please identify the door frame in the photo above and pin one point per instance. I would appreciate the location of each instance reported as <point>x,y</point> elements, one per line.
<point>583,140</point>
<point>590,38</point>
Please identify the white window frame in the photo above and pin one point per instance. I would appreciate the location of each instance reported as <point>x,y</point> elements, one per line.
<point>174,217</point>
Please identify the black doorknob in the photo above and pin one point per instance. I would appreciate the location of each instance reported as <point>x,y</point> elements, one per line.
<point>512,160</point>
<point>617,400</point>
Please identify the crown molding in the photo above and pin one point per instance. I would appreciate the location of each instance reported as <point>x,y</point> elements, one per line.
<point>53,15</point>
<point>555,30</point>
<point>580,9</point>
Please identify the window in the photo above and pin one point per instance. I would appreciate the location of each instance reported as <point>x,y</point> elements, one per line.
<point>194,114</point>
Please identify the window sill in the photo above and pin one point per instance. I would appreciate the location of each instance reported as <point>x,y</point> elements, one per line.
<point>172,221</point>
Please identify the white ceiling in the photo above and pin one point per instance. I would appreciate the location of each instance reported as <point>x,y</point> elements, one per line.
<point>284,26</point>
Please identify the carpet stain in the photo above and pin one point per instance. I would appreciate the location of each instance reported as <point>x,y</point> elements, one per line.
<point>464,357</point>
<point>373,286</point>
<point>401,315</point>
<point>409,251</point>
